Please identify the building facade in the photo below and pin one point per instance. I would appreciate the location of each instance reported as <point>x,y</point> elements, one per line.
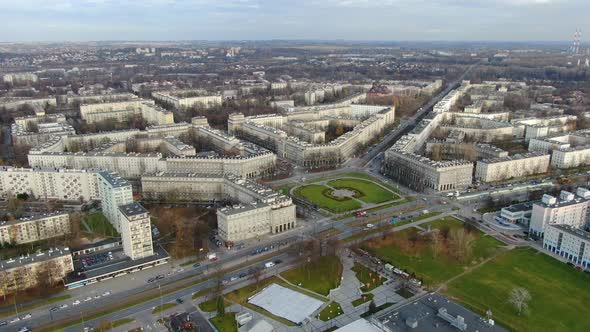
<point>26,230</point>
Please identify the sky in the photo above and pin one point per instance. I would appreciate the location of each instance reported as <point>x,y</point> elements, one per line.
<point>387,20</point>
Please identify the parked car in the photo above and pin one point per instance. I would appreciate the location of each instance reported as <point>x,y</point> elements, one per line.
<point>179,301</point>
<point>76,302</point>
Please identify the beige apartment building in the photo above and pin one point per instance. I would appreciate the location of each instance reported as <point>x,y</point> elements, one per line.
<point>41,227</point>
<point>136,231</point>
<point>498,169</point>
<point>21,273</point>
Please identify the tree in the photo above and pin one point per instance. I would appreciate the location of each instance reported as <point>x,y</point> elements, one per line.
<point>519,298</point>
<point>461,242</point>
<point>257,274</point>
<point>372,307</point>
<point>220,306</point>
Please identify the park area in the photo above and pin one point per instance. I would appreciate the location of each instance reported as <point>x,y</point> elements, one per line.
<point>346,192</point>
<point>559,293</point>
<point>440,250</point>
<point>319,275</point>
<point>97,224</point>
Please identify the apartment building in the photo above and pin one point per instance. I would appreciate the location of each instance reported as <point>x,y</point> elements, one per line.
<point>23,272</point>
<point>569,242</point>
<point>32,229</point>
<point>181,99</point>
<point>49,183</point>
<point>567,209</point>
<point>499,169</point>
<point>260,209</point>
<point>114,192</point>
<point>136,231</point>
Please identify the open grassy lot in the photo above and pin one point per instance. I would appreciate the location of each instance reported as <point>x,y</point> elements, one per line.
<point>370,192</point>
<point>316,194</point>
<point>99,225</point>
<point>363,299</point>
<point>225,323</point>
<point>555,289</point>
<point>163,307</point>
<point>331,311</point>
<point>370,279</point>
<point>435,256</point>
<point>209,305</point>
<point>320,275</point>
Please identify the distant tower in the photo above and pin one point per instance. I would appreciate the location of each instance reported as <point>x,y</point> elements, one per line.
<point>575,48</point>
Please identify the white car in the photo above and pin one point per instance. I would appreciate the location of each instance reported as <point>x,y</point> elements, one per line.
<point>88,299</point>
<point>14,320</point>
<point>97,297</point>
<point>63,306</point>
<point>27,316</point>
<point>107,293</point>
<point>76,302</point>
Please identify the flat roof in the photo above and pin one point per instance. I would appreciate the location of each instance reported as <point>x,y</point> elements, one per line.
<point>286,303</point>
<point>114,179</point>
<point>132,209</point>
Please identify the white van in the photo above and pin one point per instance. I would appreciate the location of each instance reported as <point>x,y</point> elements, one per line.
<point>269,265</point>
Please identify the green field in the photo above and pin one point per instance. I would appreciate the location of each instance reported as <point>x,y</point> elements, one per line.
<point>209,305</point>
<point>368,278</point>
<point>99,225</point>
<point>408,250</point>
<point>369,192</point>
<point>316,194</point>
<point>225,323</point>
<point>559,293</point>
<point>163,307</point>
<point>320,275</point>
<point>363,299</point>
<point>331,311</point>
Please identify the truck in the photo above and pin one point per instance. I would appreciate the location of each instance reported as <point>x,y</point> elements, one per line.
<point>268,265</point>
<point>212,256</point>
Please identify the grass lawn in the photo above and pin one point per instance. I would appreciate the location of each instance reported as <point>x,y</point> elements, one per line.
<point>320,275</point>
<point>225,323</point>
<point>315,194</point>
<point>379,308</point>
<point>163,307</point>
<point>370,192</point>
<point>99,224</point>
<point>202,292</point>
<point>370,279</point>
<point>559,293</point>
<point>331,311</point>
<point>191,262</point>
<point>363,299</point>
<point>123,321</point>
<point>209,305</point>
<point>407,250</point>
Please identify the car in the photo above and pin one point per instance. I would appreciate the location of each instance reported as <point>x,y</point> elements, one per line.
<point>196,264</point>
<point>63,306</point>
<point>26,316</point>
<point>14,320</point>
<point>179,301</point>
<point>54,309</point>
<point>570,263</point>
<point>234,278</point>
<point>88,299</point>
<point>150,280</point>
<point>242,275</point>
<point>76,302</point>
<point>97,297</point>
<point>107,293</point>
<point>88,329</point>
<point>3,323</point>
<point>24,329</point>
<point>278,261</point>
<point>160,277</point>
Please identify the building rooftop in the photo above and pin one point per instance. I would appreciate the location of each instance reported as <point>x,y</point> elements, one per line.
<point>32,258</point>
<point>575,231</point>
<point>114,179</point>
<point>132,209</point>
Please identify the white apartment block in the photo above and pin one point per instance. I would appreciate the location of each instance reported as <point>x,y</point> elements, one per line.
<point>567,151</point>
<point>499,169</point>
<point>186,98</point>
<point>17,78</point>
<point>123,110</point>
<point>114,192</point>
<point>569,209</point>
<point>260,210</point>
<point>22,273</point>
<point>41,227</point>
<point>569,242</point>
<point>49,183</point>
<point>136,231</point>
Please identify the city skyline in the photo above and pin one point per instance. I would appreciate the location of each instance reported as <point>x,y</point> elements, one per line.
<point>399,20</point>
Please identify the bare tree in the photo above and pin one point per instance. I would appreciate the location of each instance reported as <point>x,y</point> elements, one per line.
<point>519,298</point>
<point>461,242</point>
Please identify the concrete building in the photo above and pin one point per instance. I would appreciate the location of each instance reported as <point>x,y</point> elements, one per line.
<point>49,183</point>
<point>259,210</point>
<point>569,209</point>
<point>114,192</point>
<point>136,231</point>
<point>20,78</point>
<point>41,227</point>
<point>125,110</point>
<point>181,99</point>
<point>499,169</point>
<point>23,272</point>
<point>571,243</point>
